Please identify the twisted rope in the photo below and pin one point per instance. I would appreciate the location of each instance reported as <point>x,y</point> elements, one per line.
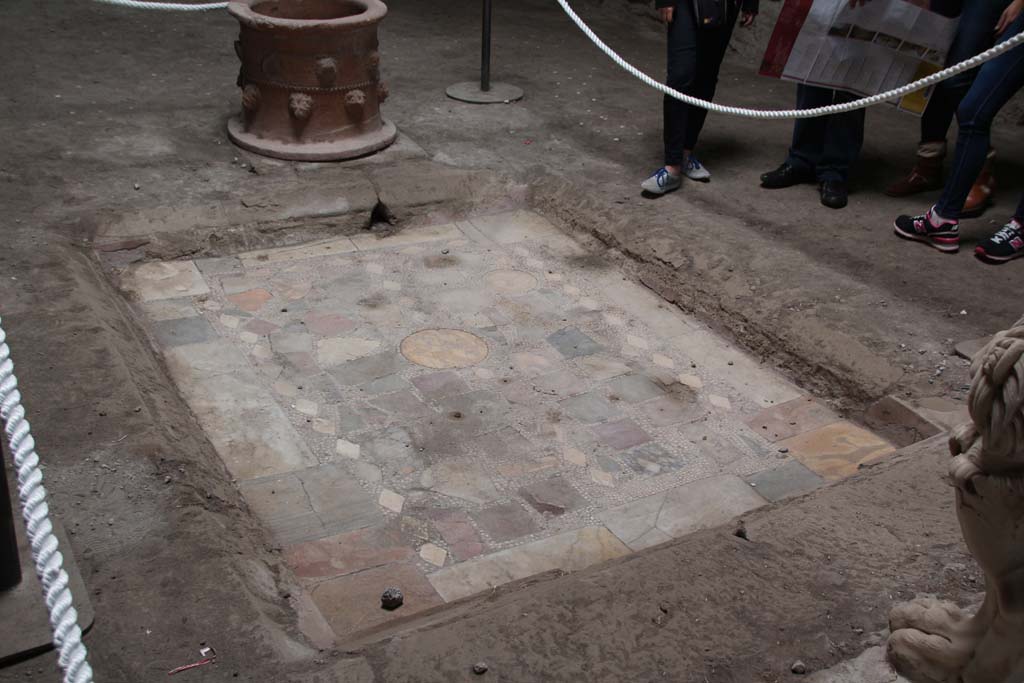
<point>67,636</point>
<point>175,6</point>
<point>743,112</point>
<point>936,77</point>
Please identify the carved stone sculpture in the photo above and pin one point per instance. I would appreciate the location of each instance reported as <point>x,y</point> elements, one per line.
<point>310,79</point>
<point>937,642</point>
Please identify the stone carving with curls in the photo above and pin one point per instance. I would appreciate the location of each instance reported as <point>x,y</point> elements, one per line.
<point>938,642</point>
<point>301,105</point>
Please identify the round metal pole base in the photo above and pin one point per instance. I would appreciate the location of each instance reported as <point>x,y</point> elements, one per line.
<point>500,93</point>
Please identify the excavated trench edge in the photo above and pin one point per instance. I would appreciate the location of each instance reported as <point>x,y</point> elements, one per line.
<point>660,278</point>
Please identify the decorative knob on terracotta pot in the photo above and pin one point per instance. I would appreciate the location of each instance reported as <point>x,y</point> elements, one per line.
<point>382,92</point>
<point>326,70</point>
<point>251,97</point>
<point>355,100</point>
<point>301,105</point>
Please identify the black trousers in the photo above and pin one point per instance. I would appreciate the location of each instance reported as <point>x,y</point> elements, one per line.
<point>694,58</point>
<point>827,145</point>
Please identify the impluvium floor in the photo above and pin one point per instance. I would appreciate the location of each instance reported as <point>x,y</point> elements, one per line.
<point>455,407</point>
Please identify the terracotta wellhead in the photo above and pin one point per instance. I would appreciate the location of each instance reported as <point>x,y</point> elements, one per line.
<point>310,79</point>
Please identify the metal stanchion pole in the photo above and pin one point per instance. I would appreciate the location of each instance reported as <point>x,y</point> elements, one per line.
<point>485,92</point>
<point>485,50</point>
<point>10,563</point>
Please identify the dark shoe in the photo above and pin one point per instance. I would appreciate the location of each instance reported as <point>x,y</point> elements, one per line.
<point>833,193</point>
<point>982,192</point>
<point>1003,246</point>
<point>785,175</point>
<point>926,175</point>
<point>945,236</point>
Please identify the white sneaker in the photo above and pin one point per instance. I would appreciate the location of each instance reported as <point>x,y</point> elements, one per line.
<point>695,171</point>
<point>662,181</point>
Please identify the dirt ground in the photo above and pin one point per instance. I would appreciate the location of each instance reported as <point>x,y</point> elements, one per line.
<point>99,99</point>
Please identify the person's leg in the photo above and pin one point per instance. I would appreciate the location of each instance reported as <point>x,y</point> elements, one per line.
<point>844,137</point>
<point>682,71</point>
<point>974,34</point>
<point>808,141</point>
<point>996,83</point>
<point>809,134</point>
<point>711,48</point>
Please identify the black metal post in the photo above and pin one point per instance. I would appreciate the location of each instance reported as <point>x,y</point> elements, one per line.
<point>485,57</point>
<point>10,564</point>
<point>484,92</point>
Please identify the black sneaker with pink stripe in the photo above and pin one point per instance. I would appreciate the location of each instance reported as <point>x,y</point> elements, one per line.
<point>1006,244</point>
<point>941,233</point>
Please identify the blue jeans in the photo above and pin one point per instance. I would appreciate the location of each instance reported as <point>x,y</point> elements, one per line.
<point>974,34</point>
<point>997,81</point>
<point>826,145</point>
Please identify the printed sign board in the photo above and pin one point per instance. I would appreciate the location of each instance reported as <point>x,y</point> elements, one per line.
<point>868,49</point>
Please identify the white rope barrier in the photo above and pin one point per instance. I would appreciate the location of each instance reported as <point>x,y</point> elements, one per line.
<point>936,77</point>
<point>67,636</point>
<point>175,6</point>
<point>744,112</point>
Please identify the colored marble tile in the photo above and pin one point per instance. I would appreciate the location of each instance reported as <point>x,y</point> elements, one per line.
<point>554,496</point>
<point>351,603</point>
<point>634,388</point>
<point>652,459</point>
<point>600,368</point>
<point>166,280</point>
<point>621,434</point>
<point>568,551</point>
<point>433,554</point>
<point>327,323</point>
<point>837,450</point>
<point>506,522</point>
<point>367,369</point>
<point>572,343</point>
<point>785,481</point>
<point>390,500</point>
<point>339,350</point>
<point>682,510</point>
<point>459,534</point>
<point>439,385</point>
<point>251,300</point>
<point>182,331</point>
<point>346,553</point>
<point>791,418</point>
<point>665,411</point>
<point>590,408</point>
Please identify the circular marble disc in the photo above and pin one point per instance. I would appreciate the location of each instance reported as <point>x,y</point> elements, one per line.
<point>441,349</point>
<point>512,282</point>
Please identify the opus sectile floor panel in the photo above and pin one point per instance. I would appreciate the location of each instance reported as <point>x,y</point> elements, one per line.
<point>455,407</point>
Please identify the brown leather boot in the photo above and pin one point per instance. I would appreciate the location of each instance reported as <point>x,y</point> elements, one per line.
<point>983,191</point>
<point>926,175</point>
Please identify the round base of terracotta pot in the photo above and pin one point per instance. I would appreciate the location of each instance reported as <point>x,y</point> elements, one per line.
<point>470,92</point>
<point>312,151</point>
